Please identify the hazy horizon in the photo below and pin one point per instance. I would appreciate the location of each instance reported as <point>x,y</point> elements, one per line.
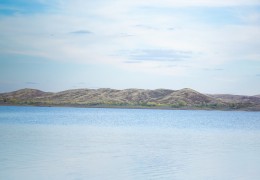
<point>54,45</point>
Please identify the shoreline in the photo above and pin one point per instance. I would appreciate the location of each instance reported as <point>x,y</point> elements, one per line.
<point>136,107</point>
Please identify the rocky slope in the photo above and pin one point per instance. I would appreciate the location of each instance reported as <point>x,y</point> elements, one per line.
<point>141,98</point>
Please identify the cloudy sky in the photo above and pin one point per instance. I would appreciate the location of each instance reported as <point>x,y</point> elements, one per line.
<point>53,45</point>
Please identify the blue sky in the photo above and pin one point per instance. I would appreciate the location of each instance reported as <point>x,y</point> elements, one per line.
<point>54,45</point>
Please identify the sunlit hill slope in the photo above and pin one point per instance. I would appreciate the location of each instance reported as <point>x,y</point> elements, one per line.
<point>131,98</point>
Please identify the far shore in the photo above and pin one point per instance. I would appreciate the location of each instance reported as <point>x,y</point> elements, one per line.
<point>132,107</point>
<point>165,99</point>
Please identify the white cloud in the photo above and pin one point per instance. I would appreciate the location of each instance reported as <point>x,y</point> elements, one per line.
<point>48,35</point>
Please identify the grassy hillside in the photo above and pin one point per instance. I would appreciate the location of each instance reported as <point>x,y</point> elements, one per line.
<point>141,98</point>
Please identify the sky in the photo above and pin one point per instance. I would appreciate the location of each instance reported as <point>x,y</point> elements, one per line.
<point>54,45</point>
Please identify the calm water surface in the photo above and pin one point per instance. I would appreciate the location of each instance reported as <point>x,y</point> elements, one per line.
<point>75,143</point>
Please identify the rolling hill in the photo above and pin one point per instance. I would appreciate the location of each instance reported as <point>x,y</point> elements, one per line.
<point>131,98</point>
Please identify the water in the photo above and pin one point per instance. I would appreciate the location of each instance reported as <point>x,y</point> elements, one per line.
<point>75,143</point>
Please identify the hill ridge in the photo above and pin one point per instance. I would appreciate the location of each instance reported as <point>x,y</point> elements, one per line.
<point>185,98</point>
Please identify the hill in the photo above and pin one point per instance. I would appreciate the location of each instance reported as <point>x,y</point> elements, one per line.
<point>237,98</point>
<point>131,98</point>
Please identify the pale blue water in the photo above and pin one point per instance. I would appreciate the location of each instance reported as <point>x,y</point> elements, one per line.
<point>78,143</point>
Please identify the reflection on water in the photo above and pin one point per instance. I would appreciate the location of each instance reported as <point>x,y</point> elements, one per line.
<point>68,143</point>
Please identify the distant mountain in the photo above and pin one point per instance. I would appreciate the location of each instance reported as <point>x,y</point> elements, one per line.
<point>131,98</point>
<point>25,94</point>
<point>237,98</point>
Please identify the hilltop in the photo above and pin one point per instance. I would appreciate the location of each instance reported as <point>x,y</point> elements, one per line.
<point>131,98</point>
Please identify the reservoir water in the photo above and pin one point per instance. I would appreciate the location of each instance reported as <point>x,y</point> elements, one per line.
<point>100,143</point>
